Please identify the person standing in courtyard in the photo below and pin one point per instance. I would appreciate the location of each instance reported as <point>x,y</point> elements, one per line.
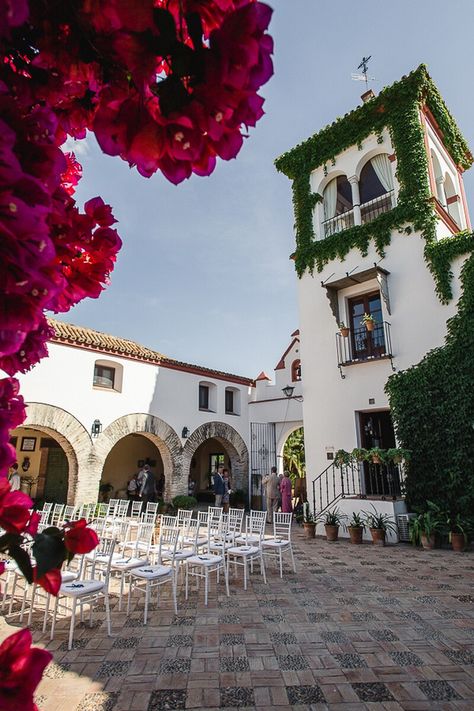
<point>226,494</point>
<point>285,490</point>
<point>132,488</point>
<point>148,486</point>
<point>270,482</point>
<point>219,486</point>
<point>14,478</point>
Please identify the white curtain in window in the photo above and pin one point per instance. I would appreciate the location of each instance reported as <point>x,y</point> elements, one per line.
<point>383,171</point>
<point>330,199</point>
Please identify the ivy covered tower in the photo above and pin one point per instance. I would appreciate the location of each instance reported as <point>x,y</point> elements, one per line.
<point>376,195</point>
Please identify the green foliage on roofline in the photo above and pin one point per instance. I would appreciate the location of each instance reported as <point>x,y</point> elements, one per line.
<point>396,108</point>
<point>440,256</point>
<point>432,403</point>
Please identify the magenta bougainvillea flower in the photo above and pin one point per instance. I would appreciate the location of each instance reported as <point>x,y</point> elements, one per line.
<point>21,669</point>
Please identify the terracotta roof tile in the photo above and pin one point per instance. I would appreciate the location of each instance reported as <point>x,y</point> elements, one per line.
<point>83,337</point>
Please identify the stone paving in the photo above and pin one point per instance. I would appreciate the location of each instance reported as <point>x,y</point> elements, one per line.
<point>357,627</point>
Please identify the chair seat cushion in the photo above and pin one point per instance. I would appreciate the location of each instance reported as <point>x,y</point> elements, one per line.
<point>127,563</point>
<point>150,572</point>
<point>247,539</point>
<point>80,588</point>
<point>67,576</point>
<point>274,543</point>
<point>208,559</point>
<point>220,546</point>
<point>243,550</point>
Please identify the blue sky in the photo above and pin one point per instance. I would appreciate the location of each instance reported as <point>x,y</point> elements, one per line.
<point>204,273</point>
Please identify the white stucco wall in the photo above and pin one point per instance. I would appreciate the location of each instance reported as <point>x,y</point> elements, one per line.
<point>418,324</point>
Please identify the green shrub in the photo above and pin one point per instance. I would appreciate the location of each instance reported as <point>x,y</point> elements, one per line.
<point>184,502</point>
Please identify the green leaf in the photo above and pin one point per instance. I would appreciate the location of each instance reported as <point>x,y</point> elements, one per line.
<point>21,557</point>
<point>49,552</point>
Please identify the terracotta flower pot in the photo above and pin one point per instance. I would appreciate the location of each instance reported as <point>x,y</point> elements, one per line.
<point>376,459</point>
<point>378,536</point>
<point>458,542</point>
<point>309,529</point>
<point>331,532</point>
<point>370,325</point>
<point>356,532</point>
<point>428,542</point>
<point>344,332</point>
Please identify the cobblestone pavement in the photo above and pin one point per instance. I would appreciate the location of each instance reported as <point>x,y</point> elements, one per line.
<point>357,627</point>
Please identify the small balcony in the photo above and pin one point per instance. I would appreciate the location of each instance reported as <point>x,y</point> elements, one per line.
<point>339,223</point>
<point>362,346</point>
<point>373,208</point>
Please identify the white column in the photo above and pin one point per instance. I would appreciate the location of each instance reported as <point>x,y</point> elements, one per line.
<point>354,181</point>
<point>440,190</point>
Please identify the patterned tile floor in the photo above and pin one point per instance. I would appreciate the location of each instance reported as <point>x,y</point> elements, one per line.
<point>358,627</point>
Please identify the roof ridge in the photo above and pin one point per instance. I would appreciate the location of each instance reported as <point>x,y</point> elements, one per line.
<point>106,342</point>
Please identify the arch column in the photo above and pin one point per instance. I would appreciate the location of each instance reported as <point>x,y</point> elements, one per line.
<point>354,181</point>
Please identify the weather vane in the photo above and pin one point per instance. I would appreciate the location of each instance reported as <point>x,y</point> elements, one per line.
<point>364,67</point>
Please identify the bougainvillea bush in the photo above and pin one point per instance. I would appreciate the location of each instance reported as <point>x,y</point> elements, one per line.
<point>166,85</point>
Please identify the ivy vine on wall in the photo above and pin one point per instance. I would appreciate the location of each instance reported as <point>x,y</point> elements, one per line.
<point>432,403</point>
<point>398,108</point>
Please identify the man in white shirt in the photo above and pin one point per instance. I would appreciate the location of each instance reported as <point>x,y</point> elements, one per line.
<point>14,478</point>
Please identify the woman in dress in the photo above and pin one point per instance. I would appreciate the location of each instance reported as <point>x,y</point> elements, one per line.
<point>226,495</point>
<point>285,490</point>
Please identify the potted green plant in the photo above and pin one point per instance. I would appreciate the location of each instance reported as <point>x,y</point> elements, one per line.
<point>460,528</point>
<point>343,329</point>
<point>355,527</point>
<point>376,455</point>
<point>309,521</point>
<point>342,458</point>
<point>359,454</point>
<point>369,321</point>
<point>184,502</point>
<point>378,524</point>
<point>398,455</point>
<point>332,521</point>
<point>424,527</point>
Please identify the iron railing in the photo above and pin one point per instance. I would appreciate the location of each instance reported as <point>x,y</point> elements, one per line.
<point>359,479</point>
<point>361,345</point>
<point>339,223</point>
<point>373,208</point>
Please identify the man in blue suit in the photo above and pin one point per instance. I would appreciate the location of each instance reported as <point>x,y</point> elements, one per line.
<point>219,486</point>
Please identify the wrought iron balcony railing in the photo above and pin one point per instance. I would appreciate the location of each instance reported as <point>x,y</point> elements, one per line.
<point>339,223</point>
<point>361,345</point>
<point>373,208</point>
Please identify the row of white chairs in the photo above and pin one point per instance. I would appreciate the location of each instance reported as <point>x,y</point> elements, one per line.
<point>129,552</point>
<point>116,509</point>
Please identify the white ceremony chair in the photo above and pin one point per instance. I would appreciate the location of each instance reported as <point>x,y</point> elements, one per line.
<point>147,577</point>
<point>254,528</point>
<point>201,566</point>
<point>251,551</point>
<point>134,554</point>
<point>193,537</point>
<point>56,514</point>
<point>88,591</point>
<point>136,510</point>
<point>280,544</point>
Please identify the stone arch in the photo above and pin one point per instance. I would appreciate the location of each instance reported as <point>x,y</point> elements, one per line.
<point>282,435</point>
<point>232,441</point>
<point>157,431</point>
<point>73,438</point>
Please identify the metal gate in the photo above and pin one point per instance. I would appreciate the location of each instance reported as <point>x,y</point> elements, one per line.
<point>262,459</point>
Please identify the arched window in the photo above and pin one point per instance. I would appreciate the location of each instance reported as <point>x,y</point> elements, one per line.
<point>375,187</point>
<point>452,204</point>
<point>207,396</point>
<point>337,206</point>
<point>296,371</point>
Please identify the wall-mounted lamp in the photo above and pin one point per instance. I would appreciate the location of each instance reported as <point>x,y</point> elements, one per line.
<point>185,433</point>
<point>288,392</point>
<point>25,464</point>
<point>96,428</point>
